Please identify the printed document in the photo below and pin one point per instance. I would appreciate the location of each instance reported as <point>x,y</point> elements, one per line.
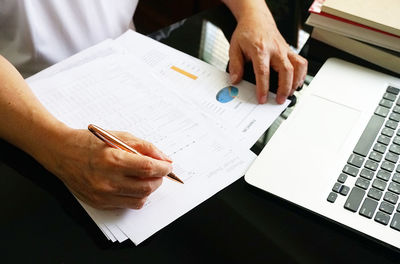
<point>195,121</point>
<point>235,109</point>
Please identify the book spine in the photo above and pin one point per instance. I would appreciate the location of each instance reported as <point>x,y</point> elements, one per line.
<point>359,33</point>
<point>316,8</point>
<point>352,15</point>
<point>359,49</point>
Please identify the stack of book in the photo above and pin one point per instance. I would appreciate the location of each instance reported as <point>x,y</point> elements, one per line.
<point>368,29</point>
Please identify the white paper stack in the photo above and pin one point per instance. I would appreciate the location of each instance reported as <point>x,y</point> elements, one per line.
<point>184,106</point>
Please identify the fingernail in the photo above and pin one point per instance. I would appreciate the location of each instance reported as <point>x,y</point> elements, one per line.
<point>166,158</point>
<point>262,99</point>
<point>280,99</point>
<point>234,77</point>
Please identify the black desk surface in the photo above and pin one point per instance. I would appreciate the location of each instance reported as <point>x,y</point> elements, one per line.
<point>41,222</point>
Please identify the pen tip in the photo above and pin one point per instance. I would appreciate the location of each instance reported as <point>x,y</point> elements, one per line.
<point>178,180</point>
<point>175,178</point>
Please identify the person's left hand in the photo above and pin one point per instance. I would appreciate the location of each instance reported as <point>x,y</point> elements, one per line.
<point>257,38</point>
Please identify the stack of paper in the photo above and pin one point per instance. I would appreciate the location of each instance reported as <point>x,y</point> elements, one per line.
<point>368,29</point>
<point>186,107</point>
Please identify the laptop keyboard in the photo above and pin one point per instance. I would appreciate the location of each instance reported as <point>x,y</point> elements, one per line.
<point>375,165</point>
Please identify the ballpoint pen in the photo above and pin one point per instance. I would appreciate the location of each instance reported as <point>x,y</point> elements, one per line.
<point>115,142</point>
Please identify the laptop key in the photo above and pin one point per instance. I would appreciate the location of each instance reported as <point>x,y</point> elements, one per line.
<point>375,194</point>
<point>395,149</point>
<point>368,208</point>
<point>396,177</point>
<point>336,187</point>
<point>392,124</point>
<point>378,147</point>
<point>384,140</point>
<point>389,96</point>
<point>394,187</point>
<point>391,197</point>
<point>350,170</point>
<point>387,132</point>
<point>383,175</point>
<point>396,109</point>
<point>395,117</point>
<point>362,183</point>
<point>395,224</point>
<point>355,160</point>
<point>392,157</point>
<point>344,190</point>
<point>382,218</point>
<point>369,134</point>
<point>386,207</point>
<point>354,200</point>
<point>396,140</point>
<point>342,178</point>
<point>398,208</point>
<point>332,197</point>
<point>393,90</point>
<point>367,174</point>
<point>379,184</point>
<point>382,111</point>
<point>386,103</point>
<point>375,156</point>
<point>372,165</point>
<point>387,165</point>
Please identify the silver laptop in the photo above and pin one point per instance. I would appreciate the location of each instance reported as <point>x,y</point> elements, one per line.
<point>338,152</point>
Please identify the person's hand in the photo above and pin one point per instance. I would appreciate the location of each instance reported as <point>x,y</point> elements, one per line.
<point>97,174</point>
<point>257,38</point>
<point>105,177</point>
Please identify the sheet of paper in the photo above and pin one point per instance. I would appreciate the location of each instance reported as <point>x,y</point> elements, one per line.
<point>184,106</point>
<point>233,108</point>
<point>117,92</point>
<point>110,230</point>
<point>101,49</point>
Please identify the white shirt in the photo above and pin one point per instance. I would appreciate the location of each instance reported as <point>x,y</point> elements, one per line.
<point>37,33</point>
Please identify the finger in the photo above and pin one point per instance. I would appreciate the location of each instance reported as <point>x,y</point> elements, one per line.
<point>136,187</point>
<point>144,147</point>
<point>300,70</point>
<point>131,202</point>
<point>102,194</point>
<point>285,77</point>
<point>148,149</point>
<point>261,70</point>
<point>121,202</point>
<point>125,163</point>
<point>236,63</point>
<point>297,74</point>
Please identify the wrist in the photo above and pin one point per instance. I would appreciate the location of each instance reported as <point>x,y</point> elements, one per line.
<point>48,140</point>
<point>244,9</point>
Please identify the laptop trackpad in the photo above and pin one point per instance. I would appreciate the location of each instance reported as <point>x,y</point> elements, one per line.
<point>303,147</point>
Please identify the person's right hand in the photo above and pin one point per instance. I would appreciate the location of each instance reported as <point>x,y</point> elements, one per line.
<point>105,177</point>
<point>97,174</point>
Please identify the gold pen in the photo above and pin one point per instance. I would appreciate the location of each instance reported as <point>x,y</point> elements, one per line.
<point>115,142</point>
